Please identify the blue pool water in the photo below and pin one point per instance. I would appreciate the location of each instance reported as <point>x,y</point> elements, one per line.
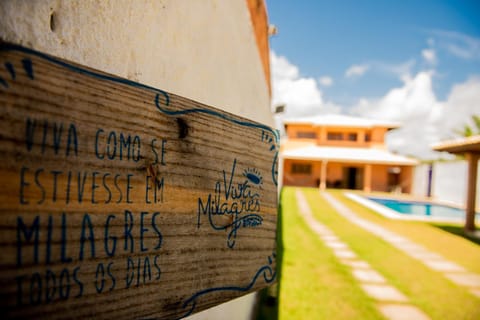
<point>420,208</point>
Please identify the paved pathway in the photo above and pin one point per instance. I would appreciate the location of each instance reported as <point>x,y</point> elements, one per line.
<point>392,303</point>
<point>452,271</point>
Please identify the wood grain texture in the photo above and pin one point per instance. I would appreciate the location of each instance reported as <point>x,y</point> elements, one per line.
<point>118,200</point>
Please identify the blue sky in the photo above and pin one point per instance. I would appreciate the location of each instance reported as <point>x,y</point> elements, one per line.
<point>364,57</point>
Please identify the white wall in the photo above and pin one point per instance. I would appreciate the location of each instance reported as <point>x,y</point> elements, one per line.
<point>420,180</point>
<point>204,50</point>
<point>449,182</point>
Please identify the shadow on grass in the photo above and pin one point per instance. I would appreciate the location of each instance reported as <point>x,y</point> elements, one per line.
<point>268,298</point>
<point>458,231</point>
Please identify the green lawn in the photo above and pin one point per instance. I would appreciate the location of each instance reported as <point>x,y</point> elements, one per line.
<point>432,236</point>
<point>314,285</point>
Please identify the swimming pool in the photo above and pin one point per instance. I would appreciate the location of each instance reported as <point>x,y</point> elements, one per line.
<point>410,210</point>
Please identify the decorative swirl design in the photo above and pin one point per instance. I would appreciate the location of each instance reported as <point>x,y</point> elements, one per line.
<point>269,275</point>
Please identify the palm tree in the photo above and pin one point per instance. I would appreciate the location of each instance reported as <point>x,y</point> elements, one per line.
<point>467,130</point>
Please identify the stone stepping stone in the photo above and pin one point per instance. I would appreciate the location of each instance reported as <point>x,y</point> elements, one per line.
<point>383,292</point>
<point>398,240</point>
<point>443,266</point>
<point>475,292</point>
<point>424,255</point>
<point>465,279</point>
<point>321,230</point>
<point>368,276</point>
<point>402,312</point>
<point>371,281</point>
<point>330,238</point>
<point>344,254</point>
<point>382,233</point>
<point>408,246</point>
<point>336,245</point>
<point>357,264</point>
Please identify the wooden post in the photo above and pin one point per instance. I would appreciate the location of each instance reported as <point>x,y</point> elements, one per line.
<point>367,182</point>
<point>472,159</point>
<point>323,175</point>
<point>122,201</point>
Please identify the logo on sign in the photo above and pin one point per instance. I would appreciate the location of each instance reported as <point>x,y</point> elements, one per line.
<point>235,204</point>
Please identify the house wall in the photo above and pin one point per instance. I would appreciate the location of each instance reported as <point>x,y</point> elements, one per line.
<point>294,130</point>
<point>420,180</point>
<point>449,182</point>
<point>345,142</point>
<point>377,135</point>
<point>204,50</point>
<point>381,182</point>
<point>298,179</point>
<point>336,171</point>
<point>406,179</point>
<point>335,175</point>
<point>258,13</point>
<point>297,143</point>
<point>379,178</point>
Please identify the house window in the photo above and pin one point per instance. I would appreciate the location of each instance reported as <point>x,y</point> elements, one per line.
<point>306,135</point>
<point>300,168</point>
<point>334,136</point>
<point>352,137</point>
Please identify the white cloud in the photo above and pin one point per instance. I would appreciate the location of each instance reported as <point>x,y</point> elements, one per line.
<point>430,56</point>
<point>301,95</point>
<point>412,99</point>
<point>401,70</point>
<point>458,44</point>
<point>325,81</point>
<point>462,102</point>
<point>282,68</point>
<point>460,51</point>
<point>356,70</point>
<point>425,120</point>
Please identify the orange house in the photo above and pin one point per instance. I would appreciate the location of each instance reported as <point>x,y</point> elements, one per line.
<point>336,151</point>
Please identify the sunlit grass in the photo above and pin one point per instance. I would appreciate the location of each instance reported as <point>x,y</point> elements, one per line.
<point>313,284</point>
<point>453,247</point>
<point>427,289</point>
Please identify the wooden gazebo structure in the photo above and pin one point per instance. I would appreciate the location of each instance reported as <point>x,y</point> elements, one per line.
<point>470,147</point>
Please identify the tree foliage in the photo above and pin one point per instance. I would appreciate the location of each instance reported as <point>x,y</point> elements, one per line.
<point>469,130</point>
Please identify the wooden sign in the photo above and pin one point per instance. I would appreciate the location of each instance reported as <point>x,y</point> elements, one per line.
<point>123,201</point>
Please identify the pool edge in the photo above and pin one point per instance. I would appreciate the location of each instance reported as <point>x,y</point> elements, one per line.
<point>392,214</point>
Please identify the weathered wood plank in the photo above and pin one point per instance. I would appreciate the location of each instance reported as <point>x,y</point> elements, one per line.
<point>118,200</point>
